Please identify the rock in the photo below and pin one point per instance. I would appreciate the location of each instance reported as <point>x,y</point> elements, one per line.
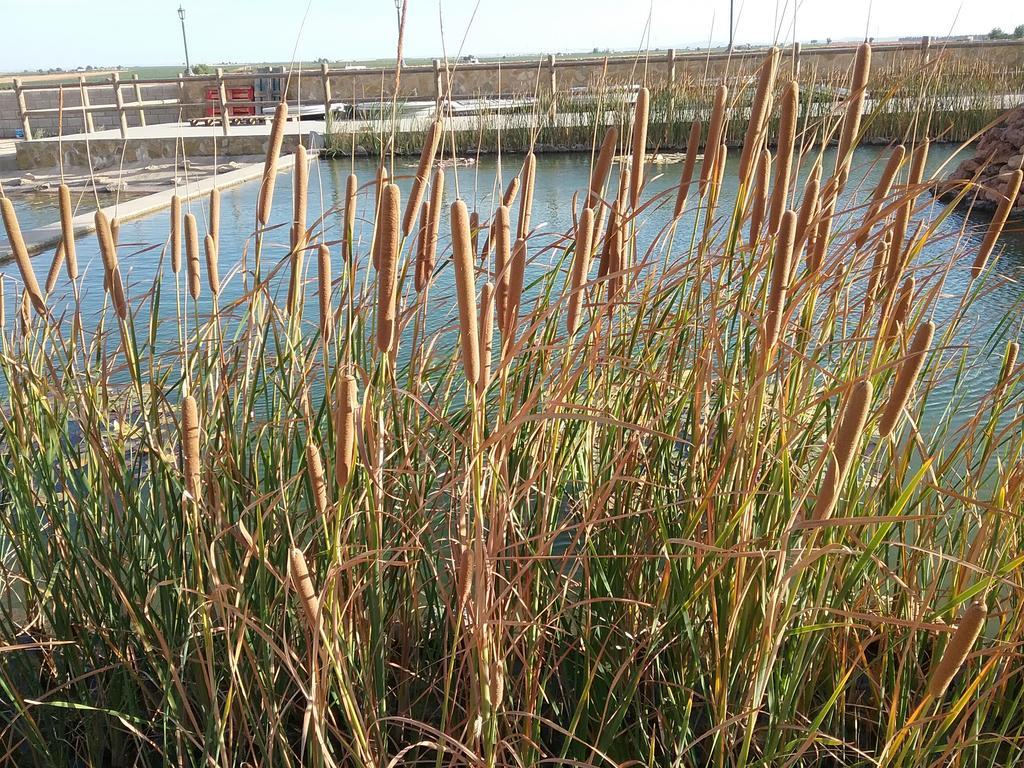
<point>998,153</point>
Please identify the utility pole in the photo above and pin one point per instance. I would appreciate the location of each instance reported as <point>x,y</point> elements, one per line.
<point>731,23</point>
<point>181,15</point>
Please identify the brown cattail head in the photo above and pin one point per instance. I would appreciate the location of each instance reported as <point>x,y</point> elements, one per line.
<point>515,292</point>
<point>510,192</point>
<point>602,167</point>
<point>486,337</point>
<point>759,203</point>
<point>529,175</point>
<point>315,470</point>
<point>971,623</point>
<point>212,274</point>
<point>878,268</point>
<point>296,276</point>
<point>387,237</point>
<point>716,127</point>
<point>436,201</point>
<point>67,230</point>
<point>21,256</point>
<point>474,232</point>
<point>266,195</point>
<point>995,228</point>
<point>784,155</point>
<point>351,195</point>
<point>901,310</point>
<point>689,163</point>
<point>465,289</point>
<point>854,109</point>
<point>175,234</point>
<point>300,197</point>
<point>580,269</point>
<point>882,189</point>
<point>502,236</point>
<point>344,430</point>
<point>302,583</point>
<point>111,267</point>
<point>780,276</point>
<point>808,208</point>
<point>638,145</point>
<point>215,215</point>
<point>909,370</point>
<point>422,273</point>
<point>841,449</point>
<point>192,251</point>
<point>55,265</point>
<point>115,230</point>
<point>427,155</point>
<point>759,109</point>
<point>323,273</point>
<point>1008,369</point>
<point>190,447</point>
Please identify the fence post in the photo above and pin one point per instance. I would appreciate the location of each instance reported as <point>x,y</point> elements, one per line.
<point>222,97</point>
<point>115,79</point>
<point>83,90</point>
<point>926,44</point>
<point>670,60</point>
<point>552,77</point>
<point>796,61</point>
<point>22,109</point>
<point>438,86</point>
<point>325,76</point>
<point>138,100</point>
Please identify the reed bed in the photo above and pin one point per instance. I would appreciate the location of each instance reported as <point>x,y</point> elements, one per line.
<point>684,506</point>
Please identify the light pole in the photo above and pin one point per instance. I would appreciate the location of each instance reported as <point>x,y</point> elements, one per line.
<point>731,22</point>
<point>181,15</point>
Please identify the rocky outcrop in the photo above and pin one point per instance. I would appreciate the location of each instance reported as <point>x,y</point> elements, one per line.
<point>999,152</point>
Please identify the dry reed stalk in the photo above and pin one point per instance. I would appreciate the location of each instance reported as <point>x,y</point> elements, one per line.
<point>55,265</point>
<point>192,252</point>
<point>995,227</point>
<point>351,199</point>
<point>266,195</point>
<point>175,234</point>
<point>21,257</point>
<point>638,145</point>
<point>602,167</point>
<point>841,448</point>
<point>323,273</point>
<point>300,197</point>
<point>529,176</point>
<point>297,259</point>
<point>759,110</point>
<point>215,215</point>
<point>302,583</point>
<point>882,190</point>
<point>854,110</point>
<point>486,337</point>
<point>67,230</point>
<point>212,275</point>
<point>878,267</point>
<point>953,658</point>
<point>762,179</point>
<point>784,155</point>
<point>502,236</point>
<point>315,469</point>
<point>422,270</point>
<point>716,127</point>
<point>387,237</point>
<point>515,291</point>
<point>580,269</point>
<point>779,279</point>
<point>190,447</point>
<point>906,377</point>
<point>510,192</point>
<point>465,289</point>
<point>427,155</point>
<point>344,430</point>
<point>689,163</point>
<point>111,267</point>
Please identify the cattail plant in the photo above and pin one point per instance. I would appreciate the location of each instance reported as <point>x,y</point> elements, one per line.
<point>266,194</point>
<point>808,208</point>
<point>387,238</point>
<point>192,252</point>
<point>758,114</point>
<point>502,235</point>
<point>67,231</point>
<point>344,430</point>
<point>111,265</point>
<point>486,325</point>
<point>422,268</point>
<point>115,230</point>
<point>854,109</point>
<point>351,196</point>
<point>638,144</point>
<point>995,227</point>
<point>300,198</point>
<point>175,234</point>
<point>906,377</point>
<point>841,449</point>
<point>21,257</point>
<point>315,470</point>
<point>529,175</point>
<point>465,290</point>
<point>689,163</point>
<point>901,308</point>
<point>779,279</point>
<point>966,635</point>
<point>784,155</point>
<point>215,216</point>
<point>1008,368</point>
<point>302,583</point>
<point>427,155</point>
<point>212,274</point>
<point>878,268</point>
<point>716,128</point>
<point>515,292</point>
<point>511,190</point>
<point>762,179</point>
<point>190,447</point>
<point>602,167</point>
<point>55,267</point>
<point>882,190</point>
<point>580,269</point>
<point>323,273</point>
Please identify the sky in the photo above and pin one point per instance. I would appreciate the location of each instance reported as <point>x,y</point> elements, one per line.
<point>40,34</point>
